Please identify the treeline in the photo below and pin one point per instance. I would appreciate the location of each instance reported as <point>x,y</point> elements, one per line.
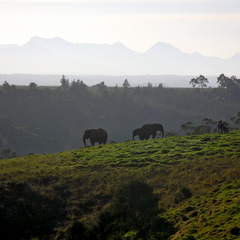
<point>37,119</point>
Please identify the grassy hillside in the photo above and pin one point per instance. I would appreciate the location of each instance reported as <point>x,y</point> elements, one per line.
<point>195,178</point>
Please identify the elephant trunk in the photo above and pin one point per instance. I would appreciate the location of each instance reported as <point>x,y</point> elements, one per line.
<point>84,140</point>
<point>135,133</point>
<point>162,133</point>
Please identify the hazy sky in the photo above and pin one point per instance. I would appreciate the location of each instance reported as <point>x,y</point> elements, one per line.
<point>210,27</point>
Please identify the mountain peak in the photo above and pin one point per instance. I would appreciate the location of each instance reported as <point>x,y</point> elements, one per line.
<point>162,44</point>
<point>40,41</point>
<point>119,45</point>
<point>162,47</point>
<point>236,56</point>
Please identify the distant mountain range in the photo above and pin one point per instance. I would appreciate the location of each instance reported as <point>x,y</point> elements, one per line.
<point>57,56</point>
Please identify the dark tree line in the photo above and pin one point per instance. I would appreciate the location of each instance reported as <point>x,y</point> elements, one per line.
<point>132,213</point>
<point>35,119</point>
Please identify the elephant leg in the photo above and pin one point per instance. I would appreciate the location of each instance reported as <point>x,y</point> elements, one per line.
<point>92,142</point>
<point>147,137</point>
<point>153,135</point>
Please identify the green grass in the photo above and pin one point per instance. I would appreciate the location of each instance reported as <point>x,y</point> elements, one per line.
<point>82,182</point>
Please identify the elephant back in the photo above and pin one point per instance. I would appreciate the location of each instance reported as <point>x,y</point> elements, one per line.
<point>102,133</point>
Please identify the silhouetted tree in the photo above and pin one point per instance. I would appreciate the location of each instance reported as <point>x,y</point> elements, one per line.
<point>32,87</point>
<point>7,88</point>
<point>126,84</point>
<point>200,81</point>
<point>64,82</point>
<point>102,89</point>
<point>229,83</point>
<point>150,85</point>
<point>78,87</point>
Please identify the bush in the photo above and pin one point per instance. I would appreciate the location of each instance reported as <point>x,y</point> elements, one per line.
<point>134,209</point>
<point>77,231</point>
<point>184,193</point>
<point>189,237</point>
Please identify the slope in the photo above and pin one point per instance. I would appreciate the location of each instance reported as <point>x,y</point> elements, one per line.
<point>52,190</point>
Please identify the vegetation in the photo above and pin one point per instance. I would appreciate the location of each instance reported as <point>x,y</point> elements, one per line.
<point>200,81</point>
<point>172,188</point>
<point>43,120</point>
<point>178,187</point>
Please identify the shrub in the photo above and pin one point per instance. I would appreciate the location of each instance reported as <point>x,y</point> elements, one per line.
<point>77,231</point>
<point>184,193</point>
<point>134,209</point>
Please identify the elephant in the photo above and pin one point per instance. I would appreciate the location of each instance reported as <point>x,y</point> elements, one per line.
<point>137,132</point>
<point>95,135</point>
<point>221,127</point>
<point>148,130</point>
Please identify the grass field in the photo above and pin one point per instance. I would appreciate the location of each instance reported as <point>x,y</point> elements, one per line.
<point>195,178</point>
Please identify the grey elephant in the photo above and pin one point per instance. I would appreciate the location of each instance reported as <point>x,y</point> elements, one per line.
<point>95,135</point>
<point>137,132</point>
<point>148,130</point>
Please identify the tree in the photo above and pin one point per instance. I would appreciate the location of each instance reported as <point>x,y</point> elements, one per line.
<point>135,203</point>
<point>229,83</point>
<point>134,213</point>
<point>32,86</point>
<point>102,87</point>
<point>7,152</point>
<point>78,87</point>
<point>200,81</point>
<point>77,231</point>
<point>149,85</point>
<point>223,81</point>
<point>236,119</point>
<point>7,88</point>
<point>209,124</point>
<point>126,84</point>
<point>64,82</point>
<point>187,127</point>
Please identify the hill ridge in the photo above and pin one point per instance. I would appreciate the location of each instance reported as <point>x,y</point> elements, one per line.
<point>52,56</point>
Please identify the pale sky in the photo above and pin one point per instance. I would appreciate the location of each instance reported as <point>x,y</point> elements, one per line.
<point>209,27</point>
